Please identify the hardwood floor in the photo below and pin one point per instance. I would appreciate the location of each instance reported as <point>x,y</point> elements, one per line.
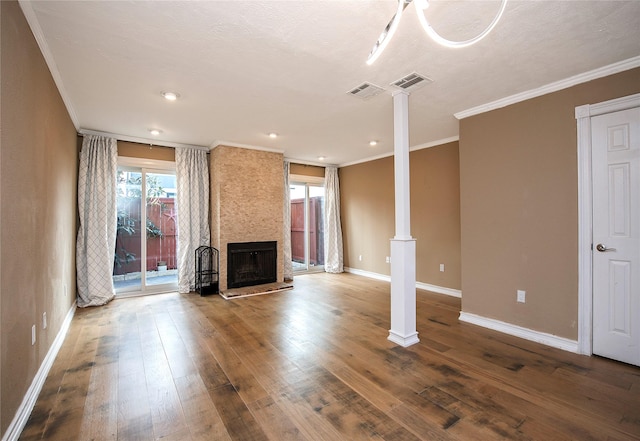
<point>314,363</point>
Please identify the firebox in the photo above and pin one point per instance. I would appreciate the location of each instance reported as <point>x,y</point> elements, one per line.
<point>251,263</point>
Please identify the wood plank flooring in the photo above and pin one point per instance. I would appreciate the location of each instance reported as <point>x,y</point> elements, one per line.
<point>314,363</point>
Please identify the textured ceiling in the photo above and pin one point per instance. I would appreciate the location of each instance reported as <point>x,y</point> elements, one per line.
<point>247,68</point>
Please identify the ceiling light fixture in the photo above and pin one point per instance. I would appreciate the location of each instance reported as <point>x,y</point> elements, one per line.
<point>372,143</point>
<point>155,132</point>
<point>322,158</point>
<point>387,33</point>
<point>170,96</point>
<point>273,135</point>
<point>421,5</point>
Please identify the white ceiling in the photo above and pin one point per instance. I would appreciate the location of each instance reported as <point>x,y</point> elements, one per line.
<point>247,68</point>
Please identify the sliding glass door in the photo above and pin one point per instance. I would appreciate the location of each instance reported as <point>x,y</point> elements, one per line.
<point>307,226</point>
<point>145,254</point>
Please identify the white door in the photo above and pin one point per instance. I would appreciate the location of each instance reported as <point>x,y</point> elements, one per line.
<point>616,235</point>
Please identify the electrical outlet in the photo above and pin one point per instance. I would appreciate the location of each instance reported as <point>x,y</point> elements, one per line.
<point>33,335</point>
<point>360,257</point>
<point>387,260</point>
<point>442,267</point>
<point>44,320</point>
<point>520,295</point>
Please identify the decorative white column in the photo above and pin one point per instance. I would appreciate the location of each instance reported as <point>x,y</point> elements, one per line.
<point>403,246</point>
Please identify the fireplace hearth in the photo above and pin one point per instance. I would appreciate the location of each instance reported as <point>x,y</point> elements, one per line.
<point>251,263</point>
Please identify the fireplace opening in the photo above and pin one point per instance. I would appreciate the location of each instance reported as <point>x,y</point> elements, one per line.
<point>251,263</point>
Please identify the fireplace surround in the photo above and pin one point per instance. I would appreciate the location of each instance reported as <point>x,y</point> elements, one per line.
<point>247,199</point>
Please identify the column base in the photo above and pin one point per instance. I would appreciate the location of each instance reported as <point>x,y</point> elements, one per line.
<point>403,341</point>
<point>403,292</point>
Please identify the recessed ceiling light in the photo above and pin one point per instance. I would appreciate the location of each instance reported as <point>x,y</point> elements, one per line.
<point>155,132</point>
<point>372,143</point>
<point>321,158</point>
<point>273,135</point>
<point>170,96</point>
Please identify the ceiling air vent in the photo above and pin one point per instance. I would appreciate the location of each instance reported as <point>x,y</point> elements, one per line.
<point>366,91</point>
<point>411,82</point>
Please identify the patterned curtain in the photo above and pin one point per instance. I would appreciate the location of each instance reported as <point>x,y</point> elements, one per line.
<point>333,259</point>
<point>96,239</point>
<point>288,265</point>
<point>192,176</point>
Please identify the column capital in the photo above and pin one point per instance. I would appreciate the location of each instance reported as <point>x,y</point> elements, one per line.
<point>398,92</point>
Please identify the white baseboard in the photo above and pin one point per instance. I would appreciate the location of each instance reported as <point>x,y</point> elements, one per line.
<point>518,331</point>
<point>439,289</point>
<point>29,400</point>
<point>419,285</point>
<point>496,325</point>
<point>368,274</point>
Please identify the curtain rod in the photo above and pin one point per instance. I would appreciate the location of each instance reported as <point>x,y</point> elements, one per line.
<point>145,141</point>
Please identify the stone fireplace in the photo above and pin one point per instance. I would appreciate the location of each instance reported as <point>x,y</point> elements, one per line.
<point>247,197</point>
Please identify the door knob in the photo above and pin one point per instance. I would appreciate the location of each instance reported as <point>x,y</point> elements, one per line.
<point>603,248</point>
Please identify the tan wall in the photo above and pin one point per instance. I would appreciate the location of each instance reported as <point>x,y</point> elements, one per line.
<point>135,150</point>
<point>368,220</point>
<point>519,193</point>
<point>435,214</point>
<point>38,206</point>
<point>306,170</point>
<point>366,214</point>
<point>247,196</point>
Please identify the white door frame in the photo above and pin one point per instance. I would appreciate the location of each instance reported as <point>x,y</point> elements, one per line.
<point>307,181</point>
<point>146,166</point>
<point>585,215</point>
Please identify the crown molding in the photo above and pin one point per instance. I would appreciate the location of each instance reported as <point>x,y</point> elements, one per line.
<point>146,141</point>
<point>34,24</point>
<point>426,145</point>
<point>611,69</point>
<point>217,143</point>
<point>305,162</point>
<point>435,143</point>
